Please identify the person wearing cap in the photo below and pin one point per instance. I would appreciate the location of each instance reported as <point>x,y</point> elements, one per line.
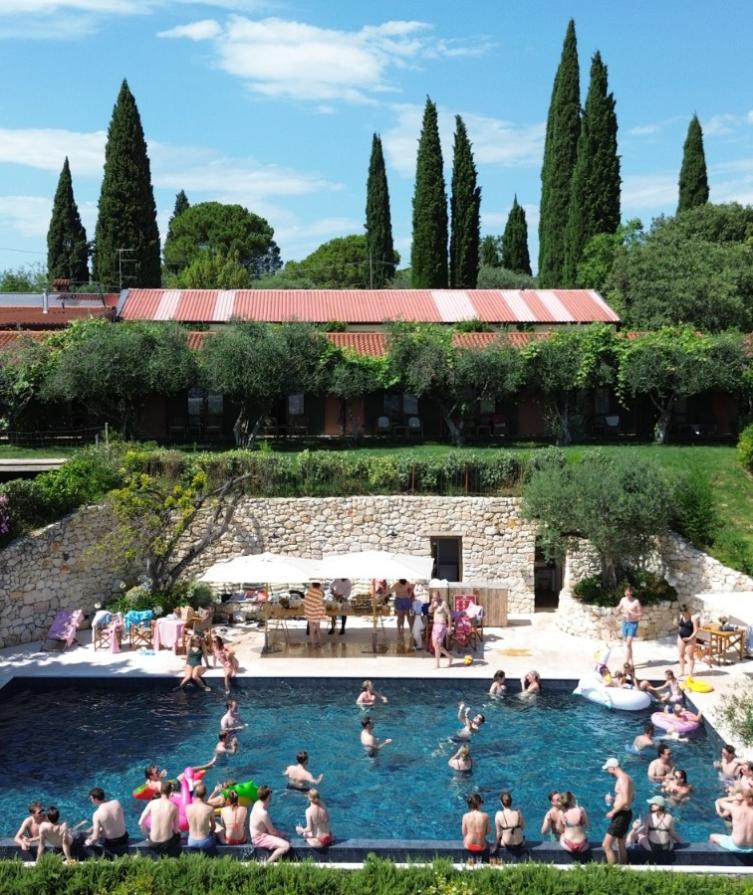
<point>620,814</point>
<point>656,832</point>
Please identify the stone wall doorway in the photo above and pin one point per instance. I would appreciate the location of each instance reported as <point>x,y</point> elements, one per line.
<point>448,558</point>
<point>547,581</point>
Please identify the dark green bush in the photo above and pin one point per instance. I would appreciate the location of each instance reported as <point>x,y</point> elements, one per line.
<point>195,874</point>
<point>694,508</point>
<point>647,586</point>
<point>745,448</point>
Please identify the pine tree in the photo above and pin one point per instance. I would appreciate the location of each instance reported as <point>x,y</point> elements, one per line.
<point>595,189</point>
<point>67,250</point>
<point>380,250</point>
<point>515,241</point>
<point>694,184</point>
<point>429,249</point>
<point>127,213</point>
<point>465,208</point>
<point>560,148</point>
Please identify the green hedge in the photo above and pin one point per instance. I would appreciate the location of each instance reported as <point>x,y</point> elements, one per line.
<point>745,448</point>
<point>194,875</point>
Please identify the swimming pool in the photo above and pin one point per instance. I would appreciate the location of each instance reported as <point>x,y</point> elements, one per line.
<point>61,737</point>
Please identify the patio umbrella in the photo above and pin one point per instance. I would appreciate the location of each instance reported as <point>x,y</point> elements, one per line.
<point>262,568</point>
<point>376,564</point>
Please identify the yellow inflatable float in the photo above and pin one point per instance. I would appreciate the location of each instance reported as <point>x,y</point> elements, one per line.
<point>697,686</point>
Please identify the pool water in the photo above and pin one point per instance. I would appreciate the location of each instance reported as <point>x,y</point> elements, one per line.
<point>62,737</point>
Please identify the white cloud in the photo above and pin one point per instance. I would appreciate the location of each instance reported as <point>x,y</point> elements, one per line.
<point>29,215</point>
<point>645,191</point>
<point>645,130</point>
<point>203,30</point>
<point>721,125</point>
<point>495,142</point>
<point>285,58</point>
<point>46,148</point>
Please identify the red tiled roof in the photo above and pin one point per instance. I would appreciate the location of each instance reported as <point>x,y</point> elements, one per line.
<point>9,336</point>
<point>55,317</point>
<point>367,306</point>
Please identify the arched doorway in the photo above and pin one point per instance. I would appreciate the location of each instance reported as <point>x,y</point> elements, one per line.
<point>547,581</point>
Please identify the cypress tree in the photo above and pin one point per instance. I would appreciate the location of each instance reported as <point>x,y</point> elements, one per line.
<point>465,207</point>
<point>694,184</point>
<point>429,249</point>
<point>380,250</point>
<point>67,251</point>
<point>560,149</point>
<point>515,241</point>
<point>595,189</point>
<point>127,213</point>
<point>181,204</point>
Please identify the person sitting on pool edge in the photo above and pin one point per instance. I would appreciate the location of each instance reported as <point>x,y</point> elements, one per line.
<point>54,834</point>
<point>470,725</point>
<point>28,832</point>
<point>371,743</point>
<point>475,826</point>
<point>656,832</point>
<point>508,824</point>
<point>572,823</point>
<point>108,828</point>
<point>316,832</point>
<point>163,834</point>
<point>740,811</point>
<point>264,834</point>
<point>299,776</point>
<point>201,823</point>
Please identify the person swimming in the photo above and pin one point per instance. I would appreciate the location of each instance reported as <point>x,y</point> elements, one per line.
<point>470,724</point>
<point>299,776</point>
<point>461,761</point>
<point>499,684</point>
<point>371,743</point>
<point>368,695</point>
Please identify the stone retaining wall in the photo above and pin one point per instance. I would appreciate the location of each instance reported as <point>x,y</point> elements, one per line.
<point>496,542</point>
<point>54,568</point>
<point>688,570</point>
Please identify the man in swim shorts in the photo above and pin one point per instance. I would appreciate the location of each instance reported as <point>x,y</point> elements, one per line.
<point>201,825</point>
<point>404,591</point>
<point>54,834</point>
<point>264,834</point>
<point>299,776</point>
<point>163,834</point>
<point>28,832</point>
<point>621,813</point>
<point>108,833</point>
<point>740,811</point>
<point>475,826</point>
<point>630,609</point>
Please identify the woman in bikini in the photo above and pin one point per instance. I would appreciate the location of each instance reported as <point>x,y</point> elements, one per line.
<point>196,660</point>
<point>225,655</point>
<point>571,824</point>
<point>234,818</point>
<point>316,832</point>
<point>656,832</point>
<point>475,826</point>
<point>509,823</point>
<point>441,627</point>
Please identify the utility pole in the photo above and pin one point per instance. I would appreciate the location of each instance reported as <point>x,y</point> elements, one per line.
<point>122,252</point>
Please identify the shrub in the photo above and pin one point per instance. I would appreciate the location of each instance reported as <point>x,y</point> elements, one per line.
<point>735,711</point>
<point>694,508</point>
<point>745,448</point>
<point>647,586</point>
<point>731,548</point>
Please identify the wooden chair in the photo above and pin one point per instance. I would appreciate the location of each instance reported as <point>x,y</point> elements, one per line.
<point>102,634</point>
<point>142,635</point>
<point>201,625</point>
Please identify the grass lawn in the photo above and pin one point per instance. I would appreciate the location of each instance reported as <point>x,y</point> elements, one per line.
<point>13,452</point>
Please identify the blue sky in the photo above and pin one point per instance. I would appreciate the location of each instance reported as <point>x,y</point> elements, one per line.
<point>273,104</point>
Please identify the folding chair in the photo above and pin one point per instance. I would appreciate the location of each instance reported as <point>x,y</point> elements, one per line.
<point>467,607</point>
<point>142,634</point>
<point>63,629</point>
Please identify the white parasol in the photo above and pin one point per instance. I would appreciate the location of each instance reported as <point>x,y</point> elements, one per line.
<point>376,564</point>
<point>262,568</point>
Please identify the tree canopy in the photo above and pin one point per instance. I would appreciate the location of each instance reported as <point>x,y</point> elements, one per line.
<point>127,238</point>
<point>694,183</point>
<point>620,503</point>
<point>341,263</point>
<point>429,246</point>
<point>515,255</point>
<point>380,250</point>
<point>230,231</point>
<point>67,248</point>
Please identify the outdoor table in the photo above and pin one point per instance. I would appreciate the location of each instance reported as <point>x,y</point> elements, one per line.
<point>168,632</point>
<point>281,615</point>
<point>722,642</point>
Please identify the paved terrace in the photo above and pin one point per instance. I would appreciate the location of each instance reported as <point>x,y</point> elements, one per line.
<point>530,641</point>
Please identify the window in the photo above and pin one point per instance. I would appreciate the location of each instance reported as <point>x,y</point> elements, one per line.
<point>295,405</point>
<point>205,412</point>
<point>448,558</point>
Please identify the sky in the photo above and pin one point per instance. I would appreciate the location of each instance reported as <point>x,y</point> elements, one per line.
<point>272,105</point>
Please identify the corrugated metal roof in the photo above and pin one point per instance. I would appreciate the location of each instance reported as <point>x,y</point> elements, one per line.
<point>368,306</point>
<point>29,316</point>
<point>58,299</point>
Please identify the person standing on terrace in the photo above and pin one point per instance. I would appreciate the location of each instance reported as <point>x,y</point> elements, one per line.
<point>404,591</point>
<point>341,589</point>
<point>630,609</point>
<point>313,609</point>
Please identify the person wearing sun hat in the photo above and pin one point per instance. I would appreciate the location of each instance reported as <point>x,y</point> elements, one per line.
<point>620,813</point>
<point>656,832</point>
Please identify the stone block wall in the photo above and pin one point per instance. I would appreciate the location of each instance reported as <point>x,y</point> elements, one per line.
<point>688,570</point>
<point>496,542</point>
<point>55,568</point>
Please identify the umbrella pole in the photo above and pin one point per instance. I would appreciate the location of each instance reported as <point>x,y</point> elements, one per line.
<point>373,619</point>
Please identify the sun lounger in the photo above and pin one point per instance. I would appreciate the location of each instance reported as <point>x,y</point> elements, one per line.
<point>63,629</point>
